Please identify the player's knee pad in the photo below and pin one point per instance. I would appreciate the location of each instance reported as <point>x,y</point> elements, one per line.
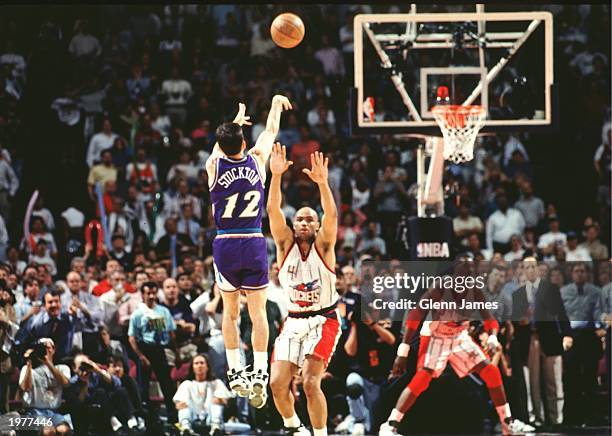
<point>420,382</point>
<point>491,376</point>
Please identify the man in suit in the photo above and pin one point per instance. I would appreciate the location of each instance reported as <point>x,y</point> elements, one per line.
<point>541,332</point>
<point>582,301</point>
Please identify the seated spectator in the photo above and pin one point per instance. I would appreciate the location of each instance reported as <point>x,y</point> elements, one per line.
<point>30,304</point>
<point>159,121</point>
<point>42,383</point>
<point>502,224</point>
<point>176,92</point>
<point>120,253</point>
<point>188,225</point>
<point>142,173</point>
<point>49,323</point>
<point>38,232</point>
<point>83,43</point>
<point>117,303</point>
<point>349,231</point>
<point>597,250</point>
<point>465,224</point>
<point>41,257</point>
<point>96,399</point>
<point>44,213</point>
<point>179,308</point>
<point>371,240</point>
<point>173,244</point>
<point>574,253</point>
<point>553,237</point>
<point>101,174</point>
<point>173,204</point>
<point>99,142</point>
<point>185,168</point>
<point>516,249</point>
<point>138,85</point>
<point>200,401</point>
<point>107,348</point>
<point>116,368</point>
<point>105,285</point>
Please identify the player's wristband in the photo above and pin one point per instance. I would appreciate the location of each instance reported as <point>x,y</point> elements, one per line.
<point>403,350</point>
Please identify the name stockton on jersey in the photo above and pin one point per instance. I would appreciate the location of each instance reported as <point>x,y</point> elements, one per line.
<point>306,294</point>
<point>237,173</point>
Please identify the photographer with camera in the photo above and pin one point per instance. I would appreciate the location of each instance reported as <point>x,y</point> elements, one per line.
<point>8,330</point>
<point>96,399</point>
<point>42,383</point>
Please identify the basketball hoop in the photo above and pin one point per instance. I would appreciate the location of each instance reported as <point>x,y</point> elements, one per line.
<point>460,126</point>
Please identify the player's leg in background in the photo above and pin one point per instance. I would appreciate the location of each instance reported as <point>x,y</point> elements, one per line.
<point>256,302</point>
<point>281,375</point>
<point>312,372</point>
<point>229,327</point>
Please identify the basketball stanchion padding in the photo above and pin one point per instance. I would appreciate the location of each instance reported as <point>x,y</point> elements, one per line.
<point>460,126</point>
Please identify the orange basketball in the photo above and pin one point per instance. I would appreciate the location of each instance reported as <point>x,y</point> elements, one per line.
<point>287,30</point>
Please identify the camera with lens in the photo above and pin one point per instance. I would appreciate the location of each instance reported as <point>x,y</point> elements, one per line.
<point>86,367</point>
<point>39,352</point>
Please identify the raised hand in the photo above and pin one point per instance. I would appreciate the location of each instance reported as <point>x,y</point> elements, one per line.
<point>278,160</point>
<point>282,102</point>
<point>318,171</point>
<point>241,118</point>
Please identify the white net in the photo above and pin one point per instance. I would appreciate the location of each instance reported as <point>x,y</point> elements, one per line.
<point>460,126</point>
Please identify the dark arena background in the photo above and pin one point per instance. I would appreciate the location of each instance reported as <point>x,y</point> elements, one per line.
<point>108,116</point>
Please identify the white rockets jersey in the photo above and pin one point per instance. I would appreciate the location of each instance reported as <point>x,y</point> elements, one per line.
<point>310,283</point>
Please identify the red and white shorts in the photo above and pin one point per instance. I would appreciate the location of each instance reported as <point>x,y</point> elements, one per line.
<point>313,336</point>
<point>461,351</point>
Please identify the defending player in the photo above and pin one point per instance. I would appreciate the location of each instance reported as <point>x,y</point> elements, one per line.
<point>236,181</point>
<point>449,342</point>
<point>306,273</point>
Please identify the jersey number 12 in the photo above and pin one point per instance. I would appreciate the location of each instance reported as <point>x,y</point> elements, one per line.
<point>249,211</point>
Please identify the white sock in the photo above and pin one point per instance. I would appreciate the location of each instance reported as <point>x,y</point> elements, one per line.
<point>320,431</point>
<point>292,422</point>
<point>260,360</point>
<point>396,415</point>
<point>503,412</point>
<point>233,359</point>
<point>132,422</point>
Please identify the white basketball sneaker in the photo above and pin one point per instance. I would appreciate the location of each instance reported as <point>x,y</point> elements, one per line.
<point>259,388</point>
<point>239,382</point>
<point>297,431</point>
<point>387,429</point>
<point>516,426</point>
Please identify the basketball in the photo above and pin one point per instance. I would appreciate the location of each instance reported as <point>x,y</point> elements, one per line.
<point>287,30</point>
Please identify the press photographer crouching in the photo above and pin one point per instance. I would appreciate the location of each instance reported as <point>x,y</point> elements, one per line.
<point>42,383</point>
<point>96,399</point>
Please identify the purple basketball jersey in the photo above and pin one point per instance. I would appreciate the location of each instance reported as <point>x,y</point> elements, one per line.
<point>237,196</point>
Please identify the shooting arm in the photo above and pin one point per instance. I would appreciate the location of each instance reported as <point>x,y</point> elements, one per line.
<point>265,141</point>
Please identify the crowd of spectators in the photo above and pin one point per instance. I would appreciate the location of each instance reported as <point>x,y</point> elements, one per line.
<point>147,88</point>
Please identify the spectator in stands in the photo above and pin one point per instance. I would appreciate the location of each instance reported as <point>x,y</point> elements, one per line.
<point>8,330</point>
<point>88,312</point>
<point>597,250</point>
<point>151,330</point>
<point>9,184</point>
<point>200,400</point>
<point>465,224</point>
<point>516,249</point>
<point>101,174</point>
<point>176,93</point>
<point>179,308</point>
<point>174,204</point>
<point>42,383</point>
<point>30,304</point>
<point>83,43</point>
<point>49,323</point>
<point>187,224</point>
<point>530,206</point>
<point>99,142</point>
<point>574,253</point>
<point>44,213</point>
<point>371,241</point>
<point>390,194</point>
<point>502,224</point>
<point>330,58</point>
<point>582,303</point>
<point>120,253</point>
<point>96,399</point>
<point>173,243</point>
